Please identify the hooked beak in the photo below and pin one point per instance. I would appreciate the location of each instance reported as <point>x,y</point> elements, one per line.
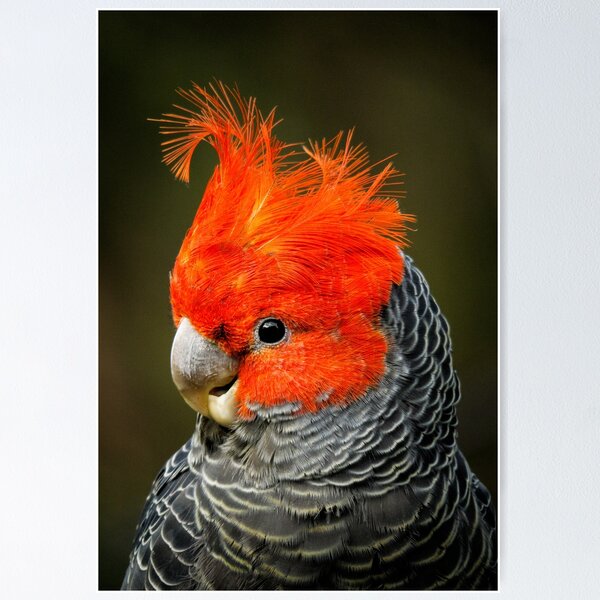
<point>205,376</point>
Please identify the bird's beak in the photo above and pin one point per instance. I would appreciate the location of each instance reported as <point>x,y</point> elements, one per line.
<point>205,376</point>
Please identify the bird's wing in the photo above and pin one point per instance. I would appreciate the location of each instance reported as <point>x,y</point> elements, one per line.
<point>167,539</point>
<point>488,516</point>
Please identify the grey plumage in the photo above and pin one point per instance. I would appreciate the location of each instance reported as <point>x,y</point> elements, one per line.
<point>372,495</point>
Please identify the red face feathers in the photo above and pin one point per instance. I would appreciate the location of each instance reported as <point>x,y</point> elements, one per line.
<point>308,236</point>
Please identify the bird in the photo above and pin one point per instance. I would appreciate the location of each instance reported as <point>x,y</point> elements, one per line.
<point>324,453</point>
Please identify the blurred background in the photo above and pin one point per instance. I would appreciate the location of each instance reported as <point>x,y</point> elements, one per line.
<point>421,85</point>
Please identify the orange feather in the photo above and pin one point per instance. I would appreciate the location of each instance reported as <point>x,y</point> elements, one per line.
<point>309,235</point>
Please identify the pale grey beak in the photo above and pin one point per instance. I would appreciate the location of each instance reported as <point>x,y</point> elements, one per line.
<point>204,375</point>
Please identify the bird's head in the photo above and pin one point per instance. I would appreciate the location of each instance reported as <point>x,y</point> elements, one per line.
<point>278,287</point>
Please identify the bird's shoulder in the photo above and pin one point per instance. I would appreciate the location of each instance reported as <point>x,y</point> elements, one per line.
<point>166,538</point>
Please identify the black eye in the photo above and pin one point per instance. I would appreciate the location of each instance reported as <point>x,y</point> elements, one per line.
<point>271,331</point>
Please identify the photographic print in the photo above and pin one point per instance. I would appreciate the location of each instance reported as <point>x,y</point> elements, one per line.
<point>298,300</point>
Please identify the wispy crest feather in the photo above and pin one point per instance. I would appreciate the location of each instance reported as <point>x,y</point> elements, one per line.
<point>308,214</point>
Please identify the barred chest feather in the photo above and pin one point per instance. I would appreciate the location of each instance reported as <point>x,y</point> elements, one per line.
<point>374,495</point>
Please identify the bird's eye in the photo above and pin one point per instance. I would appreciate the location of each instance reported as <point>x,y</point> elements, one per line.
<point>271,331</point>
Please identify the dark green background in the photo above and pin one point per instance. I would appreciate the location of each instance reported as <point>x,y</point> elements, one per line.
<point>419,84</point>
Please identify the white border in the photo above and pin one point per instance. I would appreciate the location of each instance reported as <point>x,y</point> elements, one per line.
<point>549,296</point>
